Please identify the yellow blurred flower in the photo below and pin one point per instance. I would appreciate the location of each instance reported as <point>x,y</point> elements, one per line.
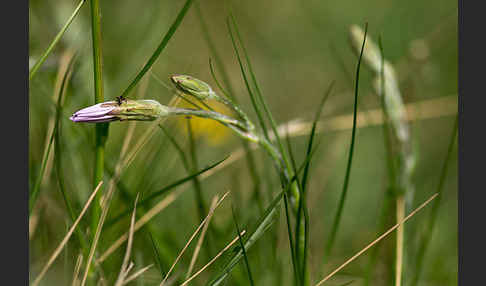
<point>211,131</point>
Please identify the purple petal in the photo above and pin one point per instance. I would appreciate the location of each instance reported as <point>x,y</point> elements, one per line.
<point>93,119</point>
<point>95,113</point>
<point>99,109</point>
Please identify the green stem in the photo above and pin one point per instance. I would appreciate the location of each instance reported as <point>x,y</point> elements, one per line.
<point>101,130</point>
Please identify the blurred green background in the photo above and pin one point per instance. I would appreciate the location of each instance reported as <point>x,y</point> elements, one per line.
<point>297,48</point>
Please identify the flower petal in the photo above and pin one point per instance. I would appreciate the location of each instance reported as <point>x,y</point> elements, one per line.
<point>99,109</point>
<point>93,119</point>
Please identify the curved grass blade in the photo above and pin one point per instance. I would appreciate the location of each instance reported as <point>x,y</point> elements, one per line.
<point>164,190</point>
<point>337,218</point>
<point>273,125</point>
<point>160,48</point>
<point>250,92</point>
<point>54,42</point>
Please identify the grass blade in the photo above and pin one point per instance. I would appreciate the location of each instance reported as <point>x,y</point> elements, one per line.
<point>54,42</point>
<point>337,218</point>
<point>160,47</point>
<point>217,57</point>
<point>295,263</point>
<point>302,238</point>
<point>250,92</point>
<point>263,224</point>
<point>247,264</point>
<point>156,254</point>
<point>273,125</point>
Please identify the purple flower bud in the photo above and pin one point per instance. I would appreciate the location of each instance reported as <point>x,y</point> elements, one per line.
<point>96,113</point>
<point>126,109</point>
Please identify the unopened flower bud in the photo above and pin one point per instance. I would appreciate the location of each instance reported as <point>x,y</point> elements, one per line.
<point>124,109</point>
<point>193,86</point>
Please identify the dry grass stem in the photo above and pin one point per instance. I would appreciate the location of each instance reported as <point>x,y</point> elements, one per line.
<point>104,212</point>
<point>203,223</point>
<point>136,274</point>
<point>124,269</point>
<point>201,238</point>
<point>66,238</point>
<point>377,240</point>
<point>77,269</point>
<point>212,260</point>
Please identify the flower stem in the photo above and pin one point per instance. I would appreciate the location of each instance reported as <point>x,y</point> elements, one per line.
<point>101,128</point>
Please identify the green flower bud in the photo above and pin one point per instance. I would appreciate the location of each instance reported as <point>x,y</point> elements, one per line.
<point>193,86</point>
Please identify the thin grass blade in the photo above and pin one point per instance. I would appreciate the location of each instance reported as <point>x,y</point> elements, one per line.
<point>54,42</point>
<point>160,47</point>
<point>247,264</point>
<point>342,199</point>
